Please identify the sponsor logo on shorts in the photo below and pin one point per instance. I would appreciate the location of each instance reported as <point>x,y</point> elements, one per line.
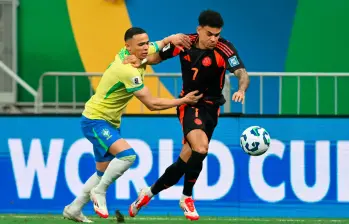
<point>106,133</point>
<point>198,121</point>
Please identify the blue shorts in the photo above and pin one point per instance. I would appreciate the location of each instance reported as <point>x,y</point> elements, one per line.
<point>102,135</point>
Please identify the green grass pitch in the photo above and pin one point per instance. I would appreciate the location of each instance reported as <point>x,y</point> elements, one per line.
<point>57,219</point>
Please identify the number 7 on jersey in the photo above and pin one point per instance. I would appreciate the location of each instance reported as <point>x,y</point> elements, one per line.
<point>195,72</point>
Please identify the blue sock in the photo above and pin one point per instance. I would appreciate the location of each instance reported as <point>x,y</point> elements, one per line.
<point>99,173</point>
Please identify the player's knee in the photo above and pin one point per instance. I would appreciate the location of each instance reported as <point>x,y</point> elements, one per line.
<point>127,155</point>
<point>198,141</point>
<point>201,148</point>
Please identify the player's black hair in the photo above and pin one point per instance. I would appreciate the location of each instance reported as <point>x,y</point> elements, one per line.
<point>211,18</point>
<point>133,31</point>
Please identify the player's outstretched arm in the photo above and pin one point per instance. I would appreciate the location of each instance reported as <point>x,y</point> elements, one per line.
<point>179,40</point>
<point>154,103</point>
<point>244,82</point>
<point>151,59</point>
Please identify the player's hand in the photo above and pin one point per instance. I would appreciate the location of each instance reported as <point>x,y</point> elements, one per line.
<point>192,98</point>
<point>181,41</point>
<point>239,96</point>
<point>133,60</point>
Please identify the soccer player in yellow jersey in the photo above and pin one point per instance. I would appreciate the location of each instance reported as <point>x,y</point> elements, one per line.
<point>102,117</point>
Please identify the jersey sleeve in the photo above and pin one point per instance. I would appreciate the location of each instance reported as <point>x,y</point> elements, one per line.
<point>153,48</point>
<point>169,51</point>
<point>133,82</point>
<point>231,56</point>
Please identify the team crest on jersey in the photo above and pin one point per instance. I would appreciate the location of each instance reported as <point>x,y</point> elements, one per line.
<point>206,61</point>
<point>233,61</point>
<point>106,133</point>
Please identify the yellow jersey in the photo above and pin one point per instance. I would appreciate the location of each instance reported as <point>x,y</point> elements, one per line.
<point>115,89</point>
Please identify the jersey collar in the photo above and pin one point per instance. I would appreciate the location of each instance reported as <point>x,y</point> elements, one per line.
<point>123,53</point>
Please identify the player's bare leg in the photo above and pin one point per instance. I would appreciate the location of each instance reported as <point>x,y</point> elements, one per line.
<point>185,152</point>
<point>73,210</point>
<point>124,158</point>
<point>199,147</point>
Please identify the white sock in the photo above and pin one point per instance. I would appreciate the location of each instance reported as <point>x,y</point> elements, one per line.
<point>84,198</point>
<point>116,169</point>
<point>184,197</point>
<point>148,192</point>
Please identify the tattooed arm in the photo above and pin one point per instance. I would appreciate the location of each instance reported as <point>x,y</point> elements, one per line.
<point>244,80</point>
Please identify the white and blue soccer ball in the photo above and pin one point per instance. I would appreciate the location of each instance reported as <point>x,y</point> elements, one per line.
<point>255,140</point>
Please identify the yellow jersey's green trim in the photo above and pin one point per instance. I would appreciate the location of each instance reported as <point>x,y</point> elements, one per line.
<point>130,158</point>
<point>156,46</point>
<point>113,88</point>
<point>131,90</point>
<point>122,53</point>
<point>110,65</point>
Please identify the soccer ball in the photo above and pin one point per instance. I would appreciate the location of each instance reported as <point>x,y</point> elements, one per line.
<point>255,141</point>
